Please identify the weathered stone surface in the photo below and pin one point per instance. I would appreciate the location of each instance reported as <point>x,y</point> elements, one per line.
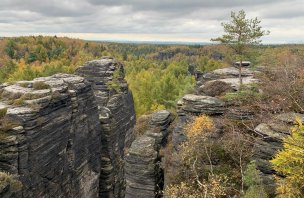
<point>235,113</point>
<point>178,135</point>
<point>140,168</point>
<point>117,117</point>
<point>201,104</point>
<point>53,144</point>
<point>235,82</point>
<point>268,133</point>
<point>289,117</point>
<point>144,176</point>
<point>229,72</point>
<point>269,143</point>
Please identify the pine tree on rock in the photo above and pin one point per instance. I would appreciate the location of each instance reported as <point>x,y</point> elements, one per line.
<point>240,33</point>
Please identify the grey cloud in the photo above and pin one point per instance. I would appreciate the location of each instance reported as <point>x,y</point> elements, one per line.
<point>49,7</point>
<point>199,17</point>
<point>180,4</point>
<point>287,10</point>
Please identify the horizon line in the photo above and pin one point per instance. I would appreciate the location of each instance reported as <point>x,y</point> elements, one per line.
<point>126,41</point>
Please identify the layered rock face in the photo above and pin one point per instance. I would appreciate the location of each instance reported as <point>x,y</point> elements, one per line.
<point>117,118</point>
<point>269,143</point>
<point>51,136</point>
<point>144,176</point>
<point>64,135</point>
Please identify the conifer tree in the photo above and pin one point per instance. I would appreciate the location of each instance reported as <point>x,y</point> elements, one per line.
<point>240,33</point>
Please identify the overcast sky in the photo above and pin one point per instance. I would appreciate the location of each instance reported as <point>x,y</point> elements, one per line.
<point>148,20</point>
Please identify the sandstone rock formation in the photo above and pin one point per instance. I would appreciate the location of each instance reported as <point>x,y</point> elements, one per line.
<point>270,142</point>
<point>230,75</point>
<point>64,135</point>
<point>144,176</point>
<point>51,136</point>
<point>201,104</point>
<point>117,118</point>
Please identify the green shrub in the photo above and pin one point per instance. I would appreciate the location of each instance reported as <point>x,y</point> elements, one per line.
<point>253,182</point>
<point>247,93</point>
<point>114,84</point>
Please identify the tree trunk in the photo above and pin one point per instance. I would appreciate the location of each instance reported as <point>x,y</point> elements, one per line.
<point>240,73</point>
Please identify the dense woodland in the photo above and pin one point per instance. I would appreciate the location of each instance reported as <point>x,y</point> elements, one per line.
<point>158,76</point>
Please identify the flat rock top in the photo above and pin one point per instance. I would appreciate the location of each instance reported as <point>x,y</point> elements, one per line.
<point>40,90</point>
<point>102,63</point>
<point>266,131</point>
<point>232,71</point>
<point>289,117</point>
<point>160,116</point>
<point>202,99</point>
<point>235,82</point>
<point>143,146</point>
<point>244,63</point>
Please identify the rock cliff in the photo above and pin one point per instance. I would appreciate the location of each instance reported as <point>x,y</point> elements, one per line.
<point>117,118</point>
<point>64,135</point>
<point>51,136</point>
<point>144,175</point>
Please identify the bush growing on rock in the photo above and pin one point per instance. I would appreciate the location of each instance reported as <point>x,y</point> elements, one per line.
<point>212,188</point>
<point>208,160</point>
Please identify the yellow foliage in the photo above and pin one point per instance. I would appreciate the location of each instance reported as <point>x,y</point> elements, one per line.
<point>290,162</point>
<point>200,125</point>
<point>157,107</point>
<point>213,188</point>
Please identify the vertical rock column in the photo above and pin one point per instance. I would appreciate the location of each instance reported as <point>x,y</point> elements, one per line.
<point>117,118</point>
<point>144,176</point>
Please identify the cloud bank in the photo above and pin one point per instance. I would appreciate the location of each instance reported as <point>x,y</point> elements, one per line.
<point>168,20</point>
